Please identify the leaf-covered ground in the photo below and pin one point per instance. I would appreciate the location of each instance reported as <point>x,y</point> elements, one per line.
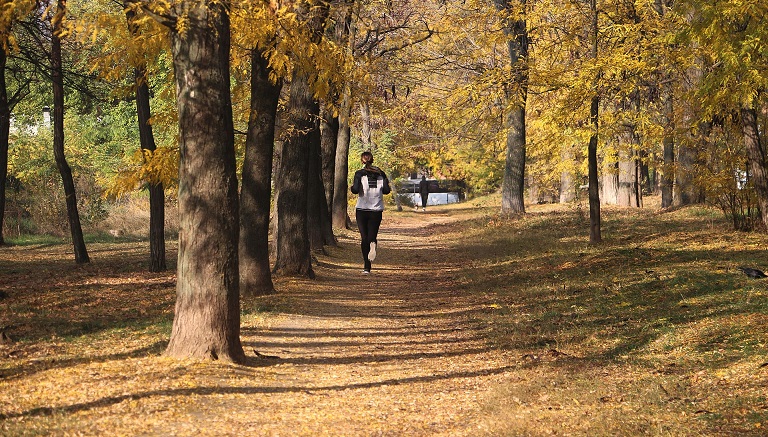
<point>471,324</point>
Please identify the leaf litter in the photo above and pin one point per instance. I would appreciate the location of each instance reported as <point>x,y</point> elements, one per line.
<point>485,336</point>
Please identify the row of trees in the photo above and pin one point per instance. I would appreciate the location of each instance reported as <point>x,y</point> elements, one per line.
<point>502,93</point>
<point>217,50</point>
<point>622,96</point>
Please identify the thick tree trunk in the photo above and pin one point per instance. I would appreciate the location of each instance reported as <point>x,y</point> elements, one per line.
<point>5,129</point>
<point>755,159</point>
<point>73,216</point>
<point>156,191</point>
<point>293,248</point>
<point>255,271</point>
<point>207,320</point>
<point>513,184</point>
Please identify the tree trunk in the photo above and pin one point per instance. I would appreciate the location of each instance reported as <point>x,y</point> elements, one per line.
<point>684,193</point>
<point>594,189</point>
<point>329,135</point>
<point>156,191</point>
<point>315,191</point>
<point>207,320</point>
<point>255,271</point>
<point>339,215</point>
<point>513,184</point>
<point>365,125</point>
<point>567,177</point>
<point>293,250</point>
<point>81,253</point>
<point>668,170</point>
<point>755,159</point>
<point>5,129</point>
<point>322,173</point>
<point>609,177</point>
<point>595,235</point>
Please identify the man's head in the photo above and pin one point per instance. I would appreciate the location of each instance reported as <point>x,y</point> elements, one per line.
<point>367,158</point>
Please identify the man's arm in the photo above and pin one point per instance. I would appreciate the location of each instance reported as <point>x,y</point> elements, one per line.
<point>355,188</point>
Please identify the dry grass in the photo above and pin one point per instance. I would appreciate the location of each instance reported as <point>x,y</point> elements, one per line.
<point>473,324</point>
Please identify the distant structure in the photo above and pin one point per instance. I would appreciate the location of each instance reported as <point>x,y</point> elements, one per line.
<point>441,191</point>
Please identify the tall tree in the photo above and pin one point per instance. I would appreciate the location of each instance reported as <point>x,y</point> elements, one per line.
<point>5,125</point>
<point>73,216</point>
<point>207,320</point>
<point>755,157</point>
<point>595,234</point>
<point>513,185</point>
<point>255,271</point>
<point>147,140</point>
<point>339,215</point>
<point>293,249</point>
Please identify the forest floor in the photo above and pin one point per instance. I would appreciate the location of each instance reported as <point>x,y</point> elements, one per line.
<point>470,324</point>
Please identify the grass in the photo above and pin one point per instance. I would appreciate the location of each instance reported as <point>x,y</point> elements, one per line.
<point>652,332</point>
<point>655,318</point>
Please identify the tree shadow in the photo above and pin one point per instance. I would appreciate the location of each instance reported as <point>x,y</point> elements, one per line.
<point>252,390</point>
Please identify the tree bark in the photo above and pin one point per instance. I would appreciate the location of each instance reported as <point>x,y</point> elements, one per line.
<point>255,271</point>
<point>5,129</point>
<point>365,125</point>
<point>329,135</point>
<point>207,320</point>
<point>595,234</point>
<point>339,214</point>
<point>609,177</point>
<point>316,210</point>
<point>668,170</point>
<point>293,248</point>
<point>594,189</point>
<point>567,177</point>
<point>318,173</point>
<point>513,184</point>
<point>157,261</point>
<point>755,159</point>
<point>73,216</point>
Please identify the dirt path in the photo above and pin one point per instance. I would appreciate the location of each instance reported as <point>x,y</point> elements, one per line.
<point>393,353</point>
<point>387,354</point>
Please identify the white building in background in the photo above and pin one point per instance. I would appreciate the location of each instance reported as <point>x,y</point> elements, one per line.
<point>32,129</point>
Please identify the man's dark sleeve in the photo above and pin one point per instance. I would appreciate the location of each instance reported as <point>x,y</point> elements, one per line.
<point>386,189</point>
<point>355,188</point>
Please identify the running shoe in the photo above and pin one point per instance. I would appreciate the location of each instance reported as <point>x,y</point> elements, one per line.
<point>372,253</point>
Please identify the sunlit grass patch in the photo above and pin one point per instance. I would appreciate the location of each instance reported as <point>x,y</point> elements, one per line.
<point>660,298</point>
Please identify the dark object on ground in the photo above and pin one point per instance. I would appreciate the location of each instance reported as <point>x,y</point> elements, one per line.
<point>3,294</point>
<point>268,357</point>
<point>4,338</point>
<point>753,273</point>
